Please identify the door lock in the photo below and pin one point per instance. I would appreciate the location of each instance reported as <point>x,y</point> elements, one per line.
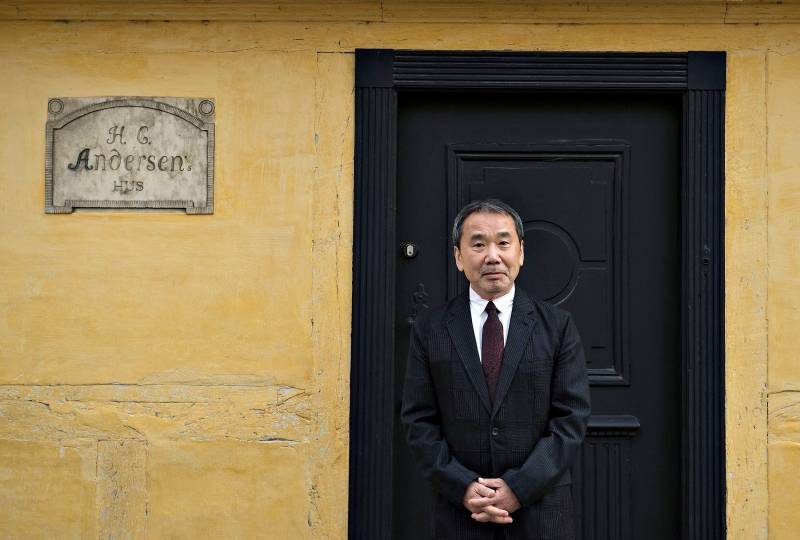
<point>410,250</point>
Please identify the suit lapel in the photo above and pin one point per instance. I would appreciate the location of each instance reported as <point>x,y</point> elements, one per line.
<point>459,325</point>
<point>519,331</point>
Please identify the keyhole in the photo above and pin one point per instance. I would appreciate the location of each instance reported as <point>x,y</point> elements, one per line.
<point>410,250</point>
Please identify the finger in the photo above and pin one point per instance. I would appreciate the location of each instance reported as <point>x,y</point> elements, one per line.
<point>479,503</point>
<point>494,511</point>
<point>492,482</point>
<point>484,491</point>
<point>483,517</point>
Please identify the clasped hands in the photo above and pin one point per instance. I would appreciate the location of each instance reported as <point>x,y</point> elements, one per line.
<point>490,499</point>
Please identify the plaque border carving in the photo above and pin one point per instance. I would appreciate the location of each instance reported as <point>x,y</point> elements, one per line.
<point>59,115</point>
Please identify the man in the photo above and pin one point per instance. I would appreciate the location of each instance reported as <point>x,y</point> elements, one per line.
<point>496,398</point>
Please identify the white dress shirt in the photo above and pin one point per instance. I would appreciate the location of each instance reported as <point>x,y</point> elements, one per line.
<point>477,309</point>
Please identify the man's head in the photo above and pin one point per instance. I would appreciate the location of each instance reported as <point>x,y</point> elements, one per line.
<point>488,246</point>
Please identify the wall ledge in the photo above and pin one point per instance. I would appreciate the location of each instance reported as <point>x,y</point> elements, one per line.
<point>450,11</point>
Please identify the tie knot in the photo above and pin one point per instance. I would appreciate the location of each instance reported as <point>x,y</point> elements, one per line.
<point>491,308</point>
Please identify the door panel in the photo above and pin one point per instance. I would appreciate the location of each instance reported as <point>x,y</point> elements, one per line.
<point>569,198</point>
<point>596,181</point>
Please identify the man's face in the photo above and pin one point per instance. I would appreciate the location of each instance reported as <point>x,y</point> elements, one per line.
<point>490,253</point>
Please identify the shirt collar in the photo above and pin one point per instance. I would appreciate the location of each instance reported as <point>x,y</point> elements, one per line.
<point>503,303</point>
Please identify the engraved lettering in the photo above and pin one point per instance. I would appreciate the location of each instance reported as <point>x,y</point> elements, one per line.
<point>124,186</point>
<point>114,155</point>
<point>83,157</point>
<point>116,132</point>
<point>180,163</point>
<point>129,152</point>
<point>129,162</point>
<point>141,136</point>
<point>97,158</point>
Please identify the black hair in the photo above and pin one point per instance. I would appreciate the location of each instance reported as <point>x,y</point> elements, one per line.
<point>493,206</point>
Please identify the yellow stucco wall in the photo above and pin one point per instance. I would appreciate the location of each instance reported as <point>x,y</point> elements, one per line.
<point>173,376</point>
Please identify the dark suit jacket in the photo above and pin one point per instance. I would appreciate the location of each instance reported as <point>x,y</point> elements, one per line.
<point>528,436</point>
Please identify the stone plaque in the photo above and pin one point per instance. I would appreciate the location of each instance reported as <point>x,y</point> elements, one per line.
<point>130,152</point>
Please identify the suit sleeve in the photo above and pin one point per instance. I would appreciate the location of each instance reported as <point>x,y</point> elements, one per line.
<point>422,421</point>
<point>569,414</point>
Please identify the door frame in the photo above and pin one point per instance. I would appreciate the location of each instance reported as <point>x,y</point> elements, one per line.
<point>699,78</point>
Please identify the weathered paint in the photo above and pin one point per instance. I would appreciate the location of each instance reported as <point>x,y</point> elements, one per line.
<point>165,375</point>
<point>746,294</point>
<point>783,307</point>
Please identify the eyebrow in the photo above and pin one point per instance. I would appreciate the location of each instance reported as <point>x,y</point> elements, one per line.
<point>481,236</point>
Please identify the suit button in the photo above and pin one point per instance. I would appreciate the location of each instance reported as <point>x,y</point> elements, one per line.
<point>495,431</point>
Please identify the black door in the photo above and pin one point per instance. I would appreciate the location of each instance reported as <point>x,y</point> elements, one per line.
<point>596,179</point>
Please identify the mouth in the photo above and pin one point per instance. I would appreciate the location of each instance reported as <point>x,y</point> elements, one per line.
<point>493,275</point>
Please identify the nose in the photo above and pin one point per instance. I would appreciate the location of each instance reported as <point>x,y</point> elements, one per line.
<point>492,254</point>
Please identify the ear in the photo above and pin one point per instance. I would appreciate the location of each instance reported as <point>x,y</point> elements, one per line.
<point>521,252</point>
<point>457,257</point>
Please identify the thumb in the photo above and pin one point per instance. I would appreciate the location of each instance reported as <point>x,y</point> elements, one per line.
<point>491,482</point>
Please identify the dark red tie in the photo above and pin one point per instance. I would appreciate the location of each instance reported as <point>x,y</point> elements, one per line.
<point>492,348</point>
